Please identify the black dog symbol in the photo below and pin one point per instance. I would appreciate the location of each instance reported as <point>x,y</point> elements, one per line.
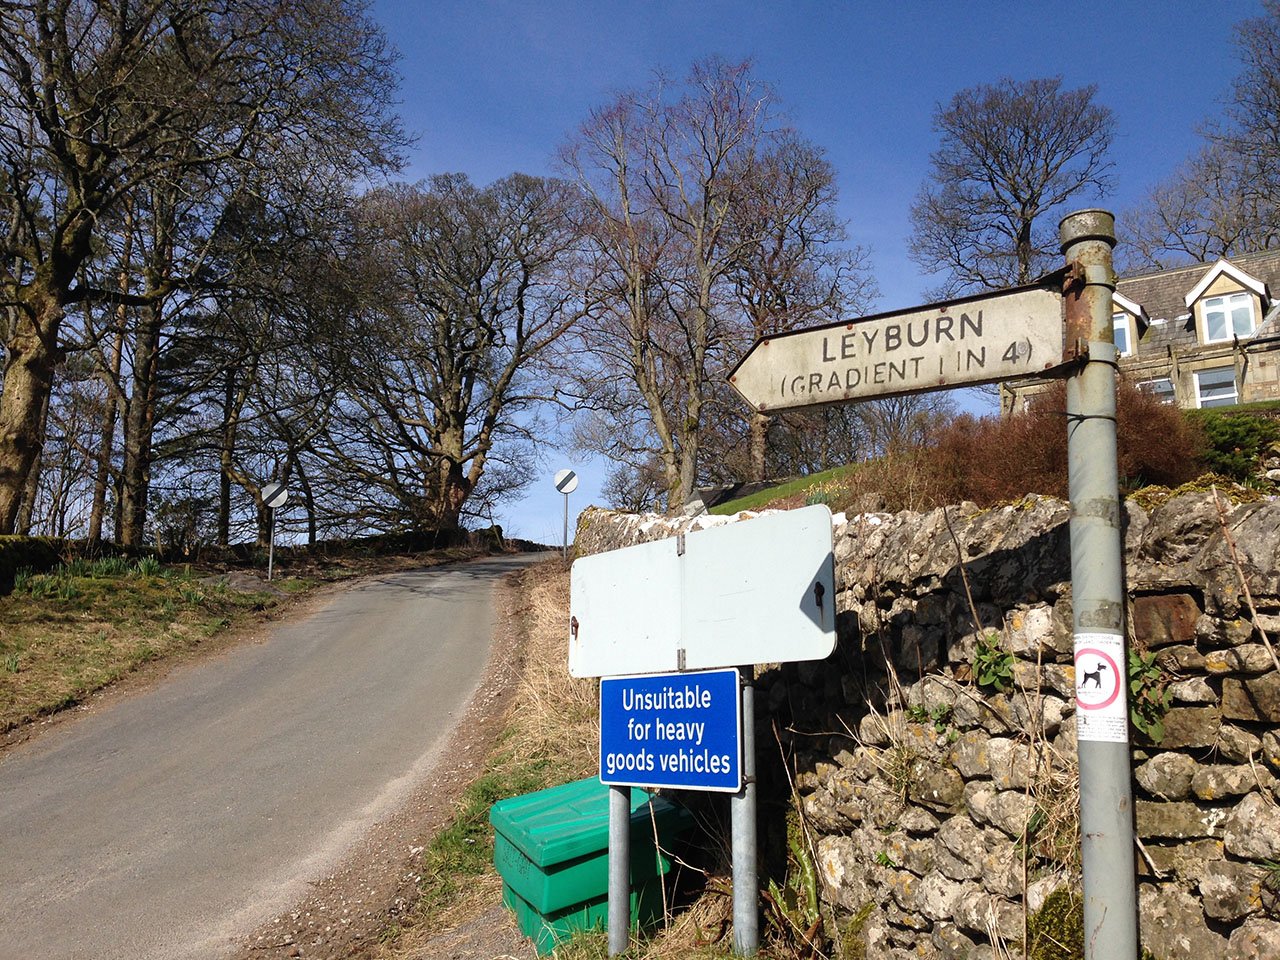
<point>1095,675</point>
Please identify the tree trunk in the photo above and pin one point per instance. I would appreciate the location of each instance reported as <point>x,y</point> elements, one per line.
<point>264,526</point>
<point>31,489</point>
<point>1025,251</point>
<point>110,413</point>
<point>456,489</point>
<point>31,355</point>
<point>226,453</point>
<point>309,501</point>
<point>140,428</point>
<point>111,379</point>
<point>759,440</point>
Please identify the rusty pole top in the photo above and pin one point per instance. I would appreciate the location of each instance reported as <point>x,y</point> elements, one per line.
<point>1090,224</point>
<point>1087,237</point>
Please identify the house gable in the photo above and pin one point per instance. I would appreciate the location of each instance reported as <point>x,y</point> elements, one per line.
<point>1209,284</point>
<point>1227,303</point>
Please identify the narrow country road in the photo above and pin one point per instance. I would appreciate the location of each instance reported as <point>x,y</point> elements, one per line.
<point>169,823</point>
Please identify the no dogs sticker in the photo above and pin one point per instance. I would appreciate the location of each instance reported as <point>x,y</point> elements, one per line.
<point>1101,710</point>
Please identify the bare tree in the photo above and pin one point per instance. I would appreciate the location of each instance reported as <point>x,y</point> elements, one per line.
<point>1010,153</point>
<point>441,394</point>
<point>664,170</point>
<point>103,100</point>
<point>1208,208</point>
<point>1223,200</point>
<point>633,489</point>
<point>792,265</point>
<point>1249,128</point>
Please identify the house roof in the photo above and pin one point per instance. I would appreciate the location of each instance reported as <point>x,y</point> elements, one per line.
<point>1163,295</point>
<point>1246,280</point>
<point>1137,309</point>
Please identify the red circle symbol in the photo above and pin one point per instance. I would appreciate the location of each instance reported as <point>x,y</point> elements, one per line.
<point>1109,663</point>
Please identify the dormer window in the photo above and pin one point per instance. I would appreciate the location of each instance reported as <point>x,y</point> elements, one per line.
<point>1120,333</point>
<point>1127,324</point>
<point>1228,317</point>
<point>1225,302</point>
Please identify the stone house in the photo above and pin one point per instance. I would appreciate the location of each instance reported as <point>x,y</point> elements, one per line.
<point>1204,335</point>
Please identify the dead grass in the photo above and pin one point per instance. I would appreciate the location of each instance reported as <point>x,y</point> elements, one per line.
<point>556,716</point>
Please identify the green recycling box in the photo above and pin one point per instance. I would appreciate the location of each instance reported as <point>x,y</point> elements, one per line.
<point>547,930</point>
<point>552,850</point>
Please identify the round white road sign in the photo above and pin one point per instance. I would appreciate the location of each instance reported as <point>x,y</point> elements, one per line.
<point>274,495</point>
<point>566,482</point>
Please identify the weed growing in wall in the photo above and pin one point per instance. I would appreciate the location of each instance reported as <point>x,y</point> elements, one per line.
<point>1149,694</point>
<point>939,717</point>
<point>992,664</point>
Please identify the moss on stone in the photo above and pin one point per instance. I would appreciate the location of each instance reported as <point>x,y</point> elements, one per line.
<point>1150,497</point>
<point>1056,930</point>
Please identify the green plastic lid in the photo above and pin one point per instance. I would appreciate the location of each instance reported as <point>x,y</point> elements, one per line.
<point>572,820</point>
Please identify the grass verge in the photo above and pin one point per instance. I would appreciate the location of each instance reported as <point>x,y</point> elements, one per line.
<point>82,626</point>
<point>87,624</point>
<point>807,485</point>
<point>463,851</point>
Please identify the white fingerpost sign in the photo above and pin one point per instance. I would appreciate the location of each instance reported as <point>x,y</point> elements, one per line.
<point>983,339</point>
<point>755,591</point>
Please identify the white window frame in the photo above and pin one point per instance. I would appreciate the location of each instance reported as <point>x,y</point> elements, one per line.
<point>1228,308</point>
<point>1163,395</point>
<point>1214,400</point>
<point>1119,322</point>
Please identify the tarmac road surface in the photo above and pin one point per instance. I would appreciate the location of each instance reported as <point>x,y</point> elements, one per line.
<point>170,823</point>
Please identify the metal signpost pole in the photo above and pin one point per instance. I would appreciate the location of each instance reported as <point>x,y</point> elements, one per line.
<point>641,745</point>
<point>1098,596</point>
<point>274,496</point>
<point>619,868</point>
<point>566,483</point>
<point>742,809</point>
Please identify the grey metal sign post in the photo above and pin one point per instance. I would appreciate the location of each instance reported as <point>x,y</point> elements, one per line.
<point>566,483</point>
<point>742,830</point>
<point>1098,593</point>
<point>1059,327</point>
<point>619,868</point>
<point>273,495</point>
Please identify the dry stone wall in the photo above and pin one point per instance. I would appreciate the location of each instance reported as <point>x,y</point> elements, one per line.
<point>945,811</point>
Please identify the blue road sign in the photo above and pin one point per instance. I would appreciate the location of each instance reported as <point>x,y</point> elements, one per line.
<point>672,730</point>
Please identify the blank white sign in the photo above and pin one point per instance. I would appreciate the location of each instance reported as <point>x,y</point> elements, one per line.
<point>755,591</point>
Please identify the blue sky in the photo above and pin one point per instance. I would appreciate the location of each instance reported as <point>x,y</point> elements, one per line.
<point>491,88</point>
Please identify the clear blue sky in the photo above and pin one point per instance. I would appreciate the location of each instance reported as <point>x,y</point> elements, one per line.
<point>494,87</point>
